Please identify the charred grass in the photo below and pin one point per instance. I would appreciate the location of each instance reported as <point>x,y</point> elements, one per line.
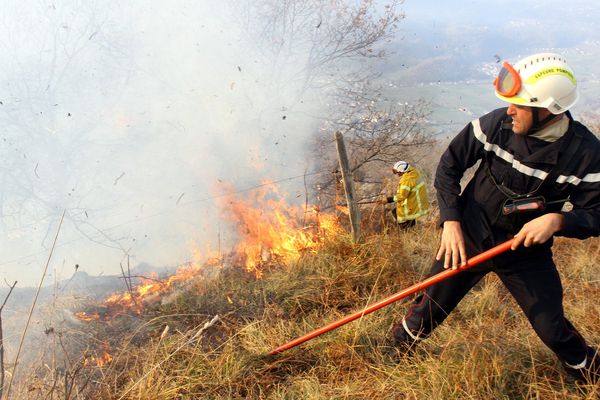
<point>485,350</point>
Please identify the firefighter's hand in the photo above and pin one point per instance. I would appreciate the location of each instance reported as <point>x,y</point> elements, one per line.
<point>385,200</point>
<point>538,230</point>
<point>452,246</point>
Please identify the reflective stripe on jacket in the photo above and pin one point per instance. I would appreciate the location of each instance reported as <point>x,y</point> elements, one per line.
<point>521,163</point>
<point>411,197</point>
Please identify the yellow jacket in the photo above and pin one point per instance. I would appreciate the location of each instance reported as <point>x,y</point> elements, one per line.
<point>411,198</point>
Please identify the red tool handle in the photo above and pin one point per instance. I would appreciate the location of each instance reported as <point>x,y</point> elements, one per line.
<point>486,255</point>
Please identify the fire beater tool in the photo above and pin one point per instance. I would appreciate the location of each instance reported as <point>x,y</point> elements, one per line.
<point>478,259</point>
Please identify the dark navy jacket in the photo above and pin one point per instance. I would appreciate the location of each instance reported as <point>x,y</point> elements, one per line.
<point>520,163</point>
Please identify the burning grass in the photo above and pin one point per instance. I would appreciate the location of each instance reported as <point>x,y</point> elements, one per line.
<point>190,337</point>
<point>485,350</point>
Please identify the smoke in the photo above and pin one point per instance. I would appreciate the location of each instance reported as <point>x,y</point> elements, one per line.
<point>134,116</point>
<point>125,116</point>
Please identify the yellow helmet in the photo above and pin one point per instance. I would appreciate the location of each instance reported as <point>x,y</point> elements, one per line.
<point>542,80</point>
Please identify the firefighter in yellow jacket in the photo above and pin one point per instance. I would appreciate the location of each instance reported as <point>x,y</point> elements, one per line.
<point>411,198</point>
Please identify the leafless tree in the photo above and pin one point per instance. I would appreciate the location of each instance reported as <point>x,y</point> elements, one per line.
<point>377,132</point>
<point>332,47</point>
<point>55,56</point>
<point>312,42</point>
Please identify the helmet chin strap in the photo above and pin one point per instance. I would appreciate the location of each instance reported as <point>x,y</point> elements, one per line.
<point>537,124</point>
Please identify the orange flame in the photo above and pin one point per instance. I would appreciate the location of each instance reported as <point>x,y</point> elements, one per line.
<point>269,228</point>
<point>343,209</point>
<point>84,316</point>
<point>133,301</point>
<point>100,358</point>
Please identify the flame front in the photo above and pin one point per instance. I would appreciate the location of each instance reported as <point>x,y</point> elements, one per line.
<point>268,231</point>
<point>133,301</point>
<point>269,228</point>
<point>100,357</point>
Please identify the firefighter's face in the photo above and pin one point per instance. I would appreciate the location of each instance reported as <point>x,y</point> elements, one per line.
<point>522,118</point>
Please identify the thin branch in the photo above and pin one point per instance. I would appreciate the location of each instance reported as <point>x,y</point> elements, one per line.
<point>7,296</point>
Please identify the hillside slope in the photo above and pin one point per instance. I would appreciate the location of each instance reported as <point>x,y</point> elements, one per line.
<point>210,338</point>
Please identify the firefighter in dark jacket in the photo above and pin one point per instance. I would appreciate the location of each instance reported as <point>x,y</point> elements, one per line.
<point>534,158</point>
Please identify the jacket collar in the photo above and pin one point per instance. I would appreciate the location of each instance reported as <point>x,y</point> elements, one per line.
<point>554,131</point>
<point>549,154</point>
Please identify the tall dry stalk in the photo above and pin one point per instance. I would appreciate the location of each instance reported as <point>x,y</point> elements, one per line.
<point>37,293</point>
<point>2,341</point>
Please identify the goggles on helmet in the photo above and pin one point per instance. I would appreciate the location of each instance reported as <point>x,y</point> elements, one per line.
<point>508,81</point>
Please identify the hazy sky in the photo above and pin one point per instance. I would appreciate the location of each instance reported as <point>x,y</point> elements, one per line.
<point>477,30</point>
<point>131,116</point>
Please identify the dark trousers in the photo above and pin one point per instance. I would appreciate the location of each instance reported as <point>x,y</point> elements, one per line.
<point>403,225</point>
<point>530,276</point>
<point>406,225</point>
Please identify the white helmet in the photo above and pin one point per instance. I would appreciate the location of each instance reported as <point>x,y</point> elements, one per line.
<point>542,80</point>
<point>400,167</point>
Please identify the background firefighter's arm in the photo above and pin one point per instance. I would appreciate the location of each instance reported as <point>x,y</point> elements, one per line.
<point>404,188</point>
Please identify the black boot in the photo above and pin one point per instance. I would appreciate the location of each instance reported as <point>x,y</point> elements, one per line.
<point>402,340</point>
<point>590,373</point>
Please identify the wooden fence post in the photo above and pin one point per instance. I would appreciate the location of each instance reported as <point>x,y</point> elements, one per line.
<point>348,188</point>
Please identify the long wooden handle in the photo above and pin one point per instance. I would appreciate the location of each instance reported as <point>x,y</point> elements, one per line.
<point>486,255</point>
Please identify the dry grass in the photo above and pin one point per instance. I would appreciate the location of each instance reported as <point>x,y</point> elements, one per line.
<point>485,350</point>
